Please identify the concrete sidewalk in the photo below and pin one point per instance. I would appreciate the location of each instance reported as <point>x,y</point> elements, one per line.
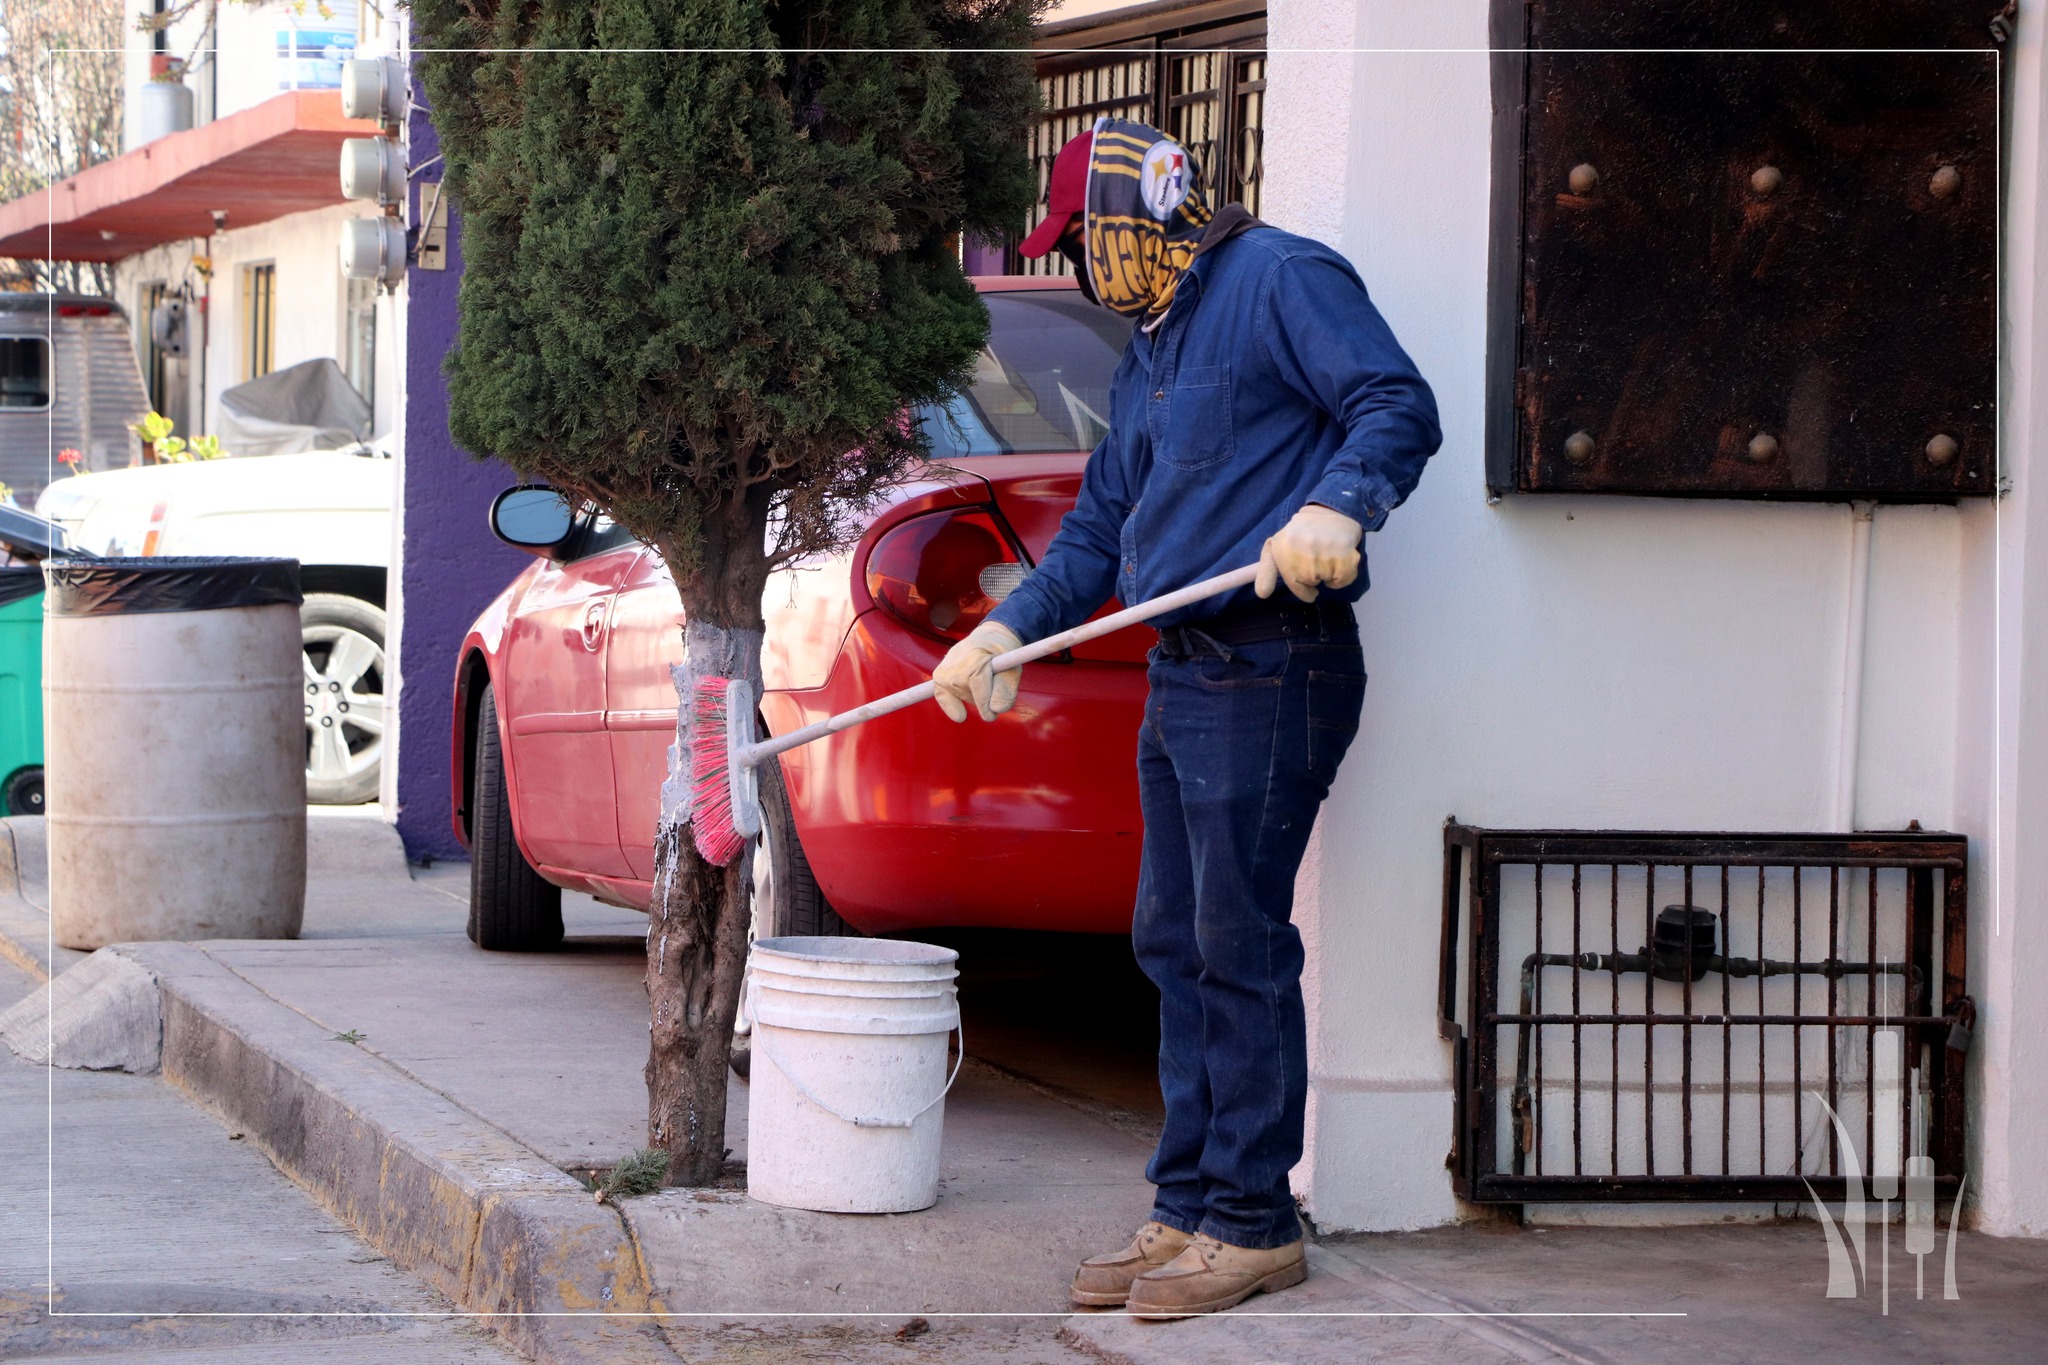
<point>475,1076</point>
<point>474,1082</point>
<point>124,1202</point>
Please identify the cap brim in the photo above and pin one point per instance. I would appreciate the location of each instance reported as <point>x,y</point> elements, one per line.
<point>1046,235</point>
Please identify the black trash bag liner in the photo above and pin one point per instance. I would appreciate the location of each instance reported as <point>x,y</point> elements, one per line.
<point>127,587</point>
<point>18,581</point>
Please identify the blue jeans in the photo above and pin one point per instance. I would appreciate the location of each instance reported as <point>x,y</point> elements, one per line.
<point>1238,748</point>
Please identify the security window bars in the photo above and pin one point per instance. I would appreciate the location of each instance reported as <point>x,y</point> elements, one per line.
<point>1197,73</point>
<point>1641,1016</point>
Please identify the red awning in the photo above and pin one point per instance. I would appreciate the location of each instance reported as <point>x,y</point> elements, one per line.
<point>283,156</point>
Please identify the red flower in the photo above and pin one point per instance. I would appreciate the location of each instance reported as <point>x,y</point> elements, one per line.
<point>69,456</point>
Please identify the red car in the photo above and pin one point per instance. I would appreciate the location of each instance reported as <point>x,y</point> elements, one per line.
<point>564,708</point>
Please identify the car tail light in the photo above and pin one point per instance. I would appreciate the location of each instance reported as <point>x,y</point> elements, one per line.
<point>85,310</point>
<point>155,534</point>
<point>944,572</point>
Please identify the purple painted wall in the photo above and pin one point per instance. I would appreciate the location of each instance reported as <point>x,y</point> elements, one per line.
<point>982,258</point>
<point>452,566</point>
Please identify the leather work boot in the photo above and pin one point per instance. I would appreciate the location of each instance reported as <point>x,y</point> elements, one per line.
<point>1210,1275</point>
<point>1105,1281</point>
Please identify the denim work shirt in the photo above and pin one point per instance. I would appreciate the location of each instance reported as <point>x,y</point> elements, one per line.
<point>1271,382</point>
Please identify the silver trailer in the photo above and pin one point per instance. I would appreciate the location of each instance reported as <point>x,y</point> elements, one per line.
<point>68,381</point>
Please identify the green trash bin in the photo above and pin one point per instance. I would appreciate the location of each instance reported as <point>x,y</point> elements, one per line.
<point>21,690</point>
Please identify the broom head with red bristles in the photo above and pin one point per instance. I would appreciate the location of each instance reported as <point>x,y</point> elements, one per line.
<point>724,812</point>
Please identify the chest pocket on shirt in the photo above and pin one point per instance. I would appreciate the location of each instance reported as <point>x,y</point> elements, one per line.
<point>1198,429</point>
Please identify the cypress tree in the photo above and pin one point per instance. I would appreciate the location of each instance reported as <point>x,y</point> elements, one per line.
<point>709,262</point>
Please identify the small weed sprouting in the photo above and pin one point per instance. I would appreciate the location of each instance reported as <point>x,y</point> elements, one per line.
<point>352,1036</point>
<point>640,1172</point>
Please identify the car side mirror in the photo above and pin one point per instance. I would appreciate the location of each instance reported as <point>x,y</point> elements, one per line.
<point>533,518</point>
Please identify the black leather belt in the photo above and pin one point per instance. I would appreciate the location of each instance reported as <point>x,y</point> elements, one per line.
<point>1256,622</point>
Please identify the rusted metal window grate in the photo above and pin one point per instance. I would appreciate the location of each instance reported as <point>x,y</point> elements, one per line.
<point>1197,73</point>
<point>1644,1016</point>
<point>1745,251</point>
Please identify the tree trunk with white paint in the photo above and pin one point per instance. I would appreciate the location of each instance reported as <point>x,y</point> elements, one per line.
<point>697,935</point>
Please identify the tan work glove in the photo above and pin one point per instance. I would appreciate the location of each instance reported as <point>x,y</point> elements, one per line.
<point>964,674</point>
<point>1318,546</point>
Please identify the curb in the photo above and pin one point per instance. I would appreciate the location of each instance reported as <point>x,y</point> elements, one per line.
<point>444,1195</point>
<point>25,926</point>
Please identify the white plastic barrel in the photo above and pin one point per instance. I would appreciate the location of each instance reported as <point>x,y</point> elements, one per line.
<point>846,1095</point>
<point>175,749</point>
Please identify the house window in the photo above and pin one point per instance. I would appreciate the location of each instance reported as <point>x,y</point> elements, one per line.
<point>1197,73</point>
<point>24,372</point>
<point>259,320</point>
<point>359,336</point>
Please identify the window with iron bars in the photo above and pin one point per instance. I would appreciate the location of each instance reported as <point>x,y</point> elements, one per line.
<point>1195,72</point>
<point>1648,1015</point>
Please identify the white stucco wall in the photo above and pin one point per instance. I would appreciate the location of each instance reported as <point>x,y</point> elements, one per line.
<point>2003,749</point>
<point>238,70</point>
<point>1576,661</point>
<point>305,247</point>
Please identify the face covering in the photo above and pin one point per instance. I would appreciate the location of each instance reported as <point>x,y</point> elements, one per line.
<point>1077,256</point>
<point>1144,218</point>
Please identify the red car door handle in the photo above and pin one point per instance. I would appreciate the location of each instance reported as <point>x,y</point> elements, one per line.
<point>593,625</point>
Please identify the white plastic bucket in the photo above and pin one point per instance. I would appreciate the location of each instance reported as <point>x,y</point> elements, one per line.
<point>846,1096</point>
<point>176,750</point>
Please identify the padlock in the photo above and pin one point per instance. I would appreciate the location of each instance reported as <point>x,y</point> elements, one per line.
<point>1964,1027</point>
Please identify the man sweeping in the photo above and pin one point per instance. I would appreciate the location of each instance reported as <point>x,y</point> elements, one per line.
<point>1263,411</point>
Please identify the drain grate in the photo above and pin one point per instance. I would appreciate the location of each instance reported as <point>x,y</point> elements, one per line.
<point>1652,1016</point>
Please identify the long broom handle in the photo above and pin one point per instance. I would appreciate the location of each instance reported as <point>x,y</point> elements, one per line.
<point>753,754</point>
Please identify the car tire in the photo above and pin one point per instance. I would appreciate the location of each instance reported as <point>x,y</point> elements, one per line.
<point>346,716</point>
<point>786,899</point>
<point>796,905</point>
<point>512,909</point>
<point>24,793</point>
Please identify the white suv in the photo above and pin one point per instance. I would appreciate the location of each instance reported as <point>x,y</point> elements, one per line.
<point>328,509</point>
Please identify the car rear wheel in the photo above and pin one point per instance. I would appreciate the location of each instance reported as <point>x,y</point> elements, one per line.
<point>344,661</point>
<point>786,896</point>
<point>511,908</point>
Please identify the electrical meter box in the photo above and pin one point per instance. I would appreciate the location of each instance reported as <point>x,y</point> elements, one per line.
<point>1745,251</point>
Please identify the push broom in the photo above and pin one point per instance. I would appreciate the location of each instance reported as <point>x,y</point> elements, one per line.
<point>725,806</point>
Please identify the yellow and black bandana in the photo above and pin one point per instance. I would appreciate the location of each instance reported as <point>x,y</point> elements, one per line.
<point>1144,217</point>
